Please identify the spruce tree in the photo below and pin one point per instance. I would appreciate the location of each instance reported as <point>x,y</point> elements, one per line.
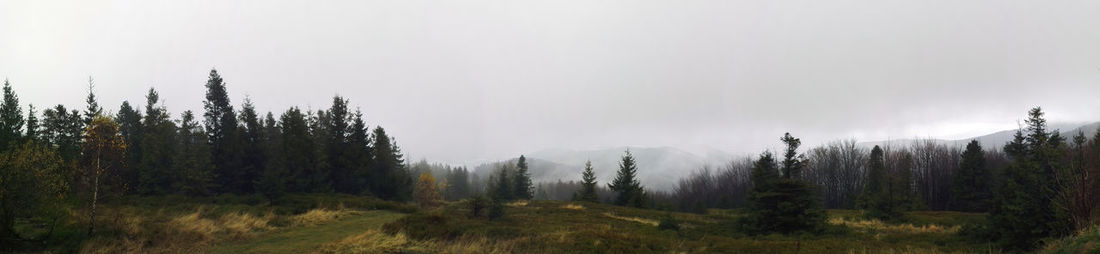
<point>389,177</point>
<point>11,119</point>
<point>626,185</point>
<point>129,126</point>
<point>255,156</point>
<point>159,140</point>
<point>523,187</point>
<point>272,182</point>
<point>32,123</point>
<point>92,108</point>
<point>340,164</point>
<point>223,134</point>
<point>191,164</point>
<point>296,154</point>
<point>782,203</point>
<point>502,186</point>
<point>588,184</point>
<point>879,199</point>
<point>359,156</point>
<point>1025,207</point>
<point>971,186</point>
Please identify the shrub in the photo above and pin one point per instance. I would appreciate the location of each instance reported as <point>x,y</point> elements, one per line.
<point>669,223</point>
<point>496,208</point>
<point>477,204</point>
<point>423,226</point>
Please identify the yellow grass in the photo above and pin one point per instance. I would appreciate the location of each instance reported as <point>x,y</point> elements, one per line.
<point>520,203</point>
<point>573,207</point>
<point>318,216</point>
<point>634,219</point>
<point>161,233</point>
<point>899,228</point>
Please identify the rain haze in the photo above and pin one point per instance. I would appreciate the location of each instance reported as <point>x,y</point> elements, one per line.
<point>470,81</point>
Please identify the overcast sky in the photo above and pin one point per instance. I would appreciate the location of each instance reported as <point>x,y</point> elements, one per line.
<point>460,81</point>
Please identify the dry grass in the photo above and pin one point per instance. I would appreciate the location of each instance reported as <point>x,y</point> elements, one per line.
<point>634,219</point>
<point>520,203</point>
<point>374,241</point>
<point>878,225</point>
<point>319,216</point>
<point>161,232</point>
<point>573,207</point>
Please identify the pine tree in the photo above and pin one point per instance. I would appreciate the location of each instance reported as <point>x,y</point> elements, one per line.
<point>129,126</point>
<point>588,184</point>
<point>523,187</point>
<point>782,204</point>
<point>359,154</point>
<point>255,156</point>
<point>297,153</point>
<point>971,186</point>
<point>11,119</point>
<point>389,176</point>
<point>458,184</point>
<point>502,186</point>
<point>159,140</point>
<point>93,108</point>
<point>273,180</point>
<point>32,123</point>
<point>192,167</point>
<point>1025,206</point>
<point>879,199</point>
<point>223,134</point>
<point>340,164</point>
<point>626,185</point>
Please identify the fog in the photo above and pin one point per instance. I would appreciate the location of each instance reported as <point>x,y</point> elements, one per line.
<point>468,81</point>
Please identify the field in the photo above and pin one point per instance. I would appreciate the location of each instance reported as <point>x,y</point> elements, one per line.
<point>348,224</point>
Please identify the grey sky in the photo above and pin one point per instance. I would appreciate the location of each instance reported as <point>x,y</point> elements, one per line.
<point>460,81</point>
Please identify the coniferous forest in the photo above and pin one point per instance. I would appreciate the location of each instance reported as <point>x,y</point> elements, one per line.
<point>74,179</point>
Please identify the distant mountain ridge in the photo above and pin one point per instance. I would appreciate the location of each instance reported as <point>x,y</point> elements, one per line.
<point>998,139</point>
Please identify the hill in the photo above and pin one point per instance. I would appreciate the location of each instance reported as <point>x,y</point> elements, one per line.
<point>996,139</point>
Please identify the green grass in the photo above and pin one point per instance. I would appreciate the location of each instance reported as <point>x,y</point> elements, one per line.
<point>1087,241</point>
<point>562,227</point>
<point>308,238</point>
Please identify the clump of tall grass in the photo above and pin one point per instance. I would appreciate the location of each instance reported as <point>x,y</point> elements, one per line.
<point>634,219</point>
<point>319,216</point>
<point>878,225</point>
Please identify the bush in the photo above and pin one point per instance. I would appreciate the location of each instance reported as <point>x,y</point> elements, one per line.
<point>424,226</point>
<point>669,223</point>
<point>496,209</point>
<point>477,204</point>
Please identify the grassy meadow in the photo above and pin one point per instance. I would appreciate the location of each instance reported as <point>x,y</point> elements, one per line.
<point>350,224</point>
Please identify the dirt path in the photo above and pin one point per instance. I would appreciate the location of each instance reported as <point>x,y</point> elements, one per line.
<point>306,239</point>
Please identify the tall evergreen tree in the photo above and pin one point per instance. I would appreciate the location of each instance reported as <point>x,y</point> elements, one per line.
<point>223,134</point>
<point>92,108</point>
<point>523,186</point>
<point>11,119</point>
<point>971,186</point>
<point>297,154</point>
<point>588,184</point>
<point>458,184</point>
<point>1025,207</point>
<point>255,156</point>
<point>782,204</point>
<point>390,180</point>
<point>63,129</point>
<point>879,199</point>
<point>626,185</point>
<point>502,186</point>
<point>32,123</point>
<point>359,154</point>
<point>155,173</point>
<point>272,182</point>
<point>341,166</point>
<point>129,126</point>
<point>191,164</point>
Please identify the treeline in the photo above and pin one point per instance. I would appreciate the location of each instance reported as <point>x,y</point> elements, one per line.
<point>1038,186</point>
<point>91,155</point>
